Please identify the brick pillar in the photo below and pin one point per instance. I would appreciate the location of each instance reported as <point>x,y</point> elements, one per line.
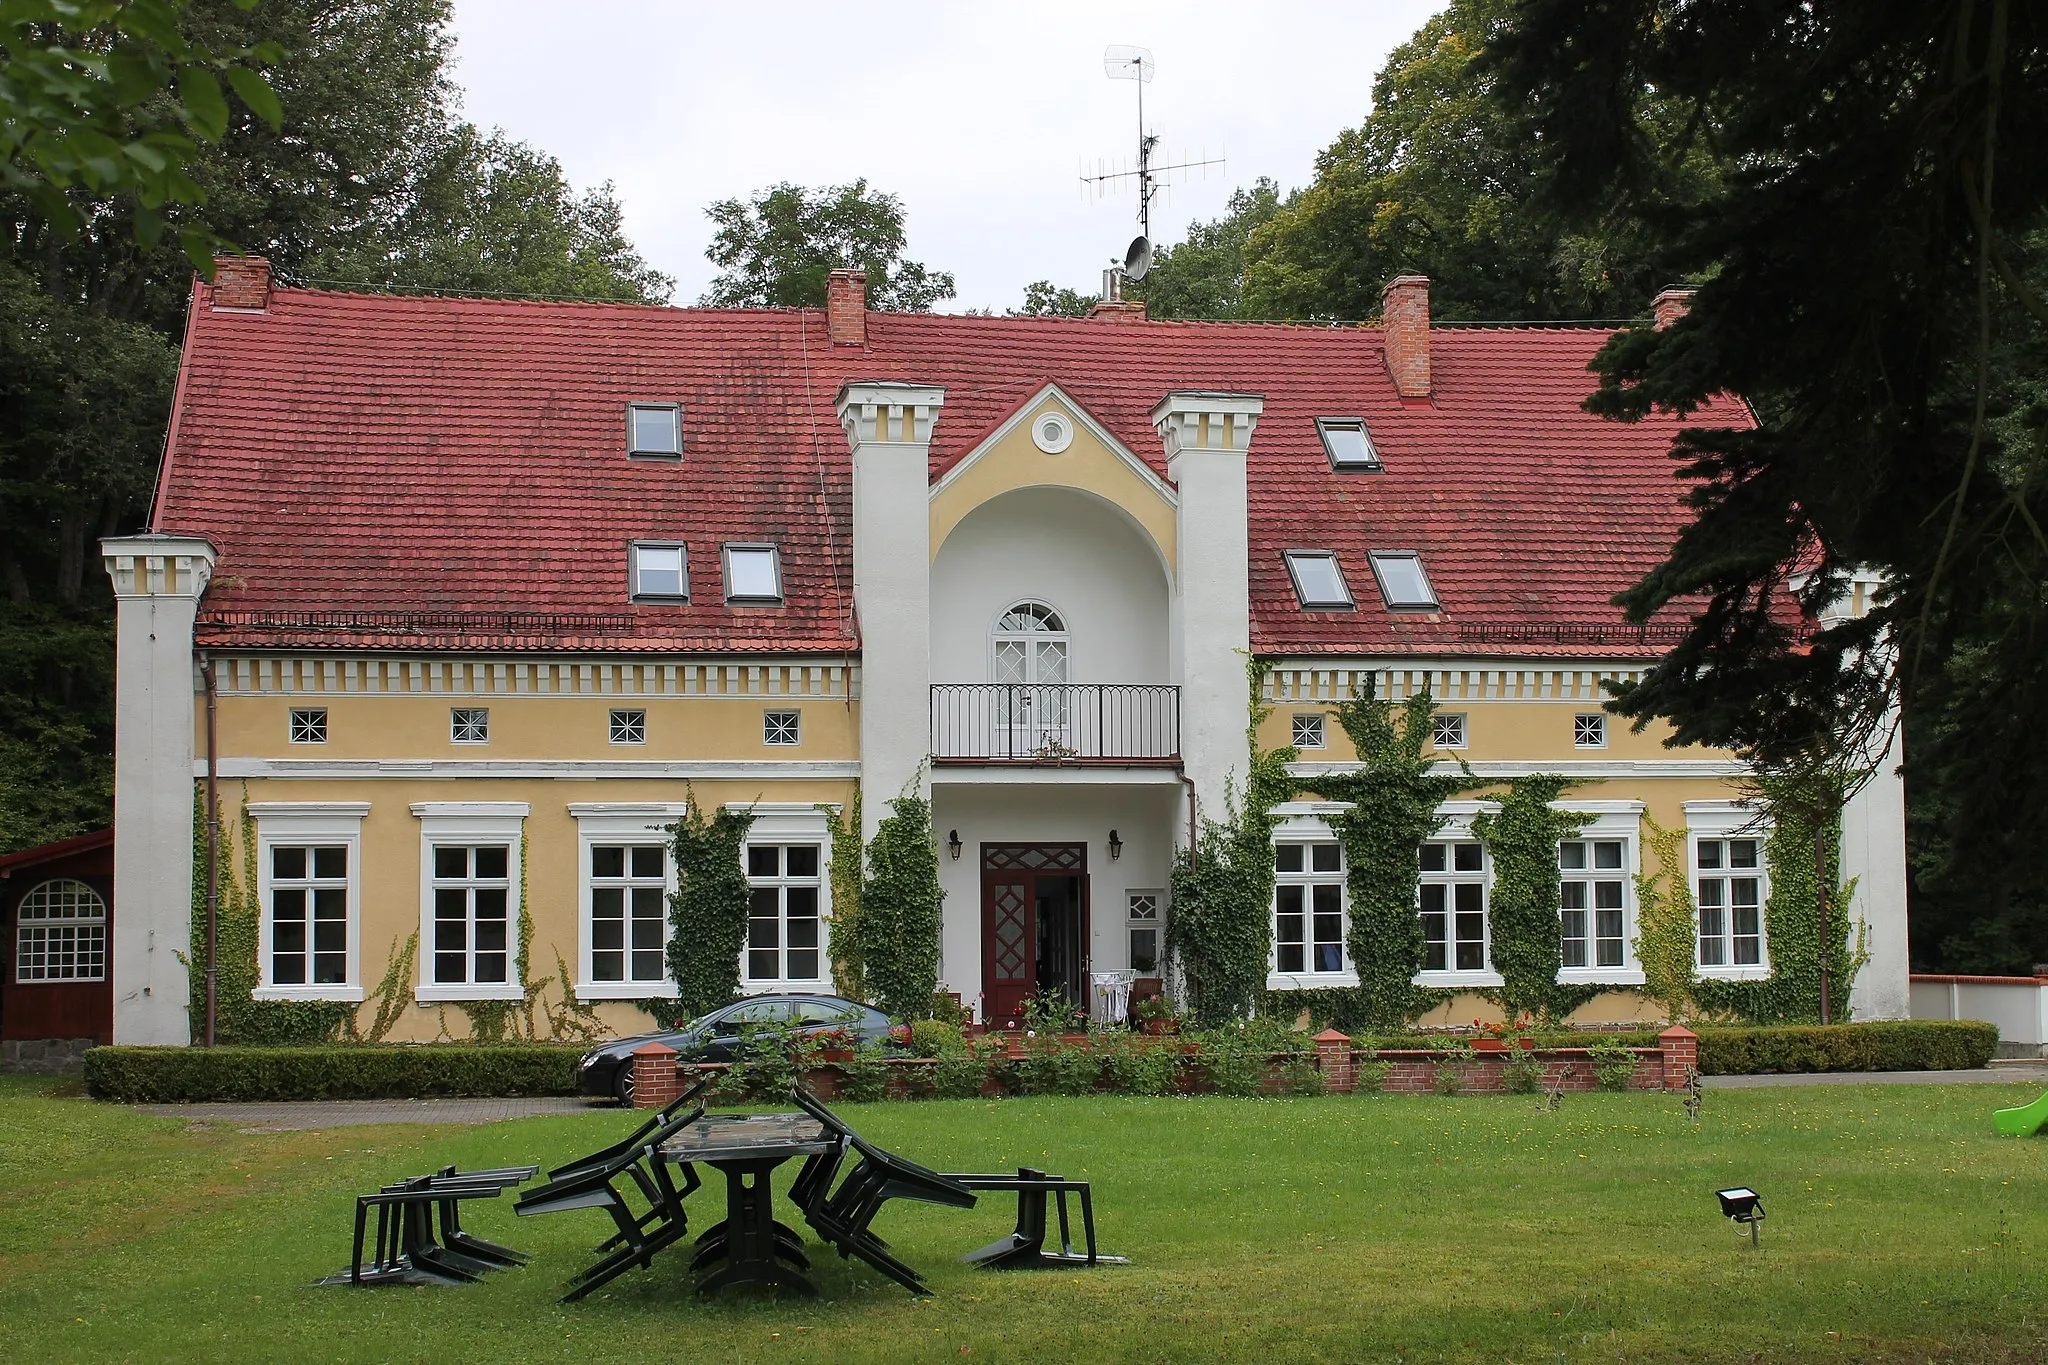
<point>1404,334</point>
<point>1333,1059</point>
<point>655,1082</point>
<point>846,307</point>
<point>1681,1054</point>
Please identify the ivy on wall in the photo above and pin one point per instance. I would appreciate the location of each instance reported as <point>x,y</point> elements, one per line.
<point>899,916</point>
<point>1527,947</point>
<point>1667,933</point>
<point>1220,934</point>
<point>844,873</point>
<point>1394,797</point>
<point>708,909</point>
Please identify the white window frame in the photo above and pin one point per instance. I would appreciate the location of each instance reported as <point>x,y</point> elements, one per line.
<point>1613,822</point>
<point>633,590</point>
<point>104,922</point>
<point>768,739</point>
<point>307,823</point>
<point>614,823</point>
<point>612,724</point>
<point>1157,924</point>
<point>1457,817</point>
<point>754,547</point>
<point>791,822</point>
<point>1318,720</point>
<point>633,450</point>
<point>1295,557</point>
<point>1308,822</point>
<point>1578,717</point>
<point>1464,720</point>
<point>1729,820</point>
<point>295,730</point>
<point>470,823</point>
<point>453,724</point>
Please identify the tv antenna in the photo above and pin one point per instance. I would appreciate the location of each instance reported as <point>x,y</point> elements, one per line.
<point>1123,62</point>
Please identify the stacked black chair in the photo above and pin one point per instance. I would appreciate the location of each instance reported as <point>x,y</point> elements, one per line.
<point>407,1250</point>
<point>594,1183</point>
<point>1024,1249</point>
<point>843,1216</point>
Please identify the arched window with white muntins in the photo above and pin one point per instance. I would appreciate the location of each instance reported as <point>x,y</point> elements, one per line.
<point>1029,659</point>
<point>61,933</point>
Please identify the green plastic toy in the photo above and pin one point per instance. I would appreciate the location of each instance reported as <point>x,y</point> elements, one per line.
<point>2024,1121</point>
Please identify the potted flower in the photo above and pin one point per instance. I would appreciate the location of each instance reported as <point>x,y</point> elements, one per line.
<point>1154,1015</point>
<point>835,1045</point>
<point>1506,1035</point>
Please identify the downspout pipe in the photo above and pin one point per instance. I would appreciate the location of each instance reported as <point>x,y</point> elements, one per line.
<point>212,848</point>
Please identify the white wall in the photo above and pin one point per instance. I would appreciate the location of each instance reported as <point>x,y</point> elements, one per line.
<point>1874,855</point>
<point>1060,812</point>
<point>1074,553</point>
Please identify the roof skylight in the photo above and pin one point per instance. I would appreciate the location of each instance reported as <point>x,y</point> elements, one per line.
<point>1347,443</point>
<point>660,571</point>
<point>753,575</point>
<point>1318,581</point>
<point>1404,583</point>
<point>654,430</point>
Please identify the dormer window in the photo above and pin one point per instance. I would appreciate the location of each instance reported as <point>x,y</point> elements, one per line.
<point>654,431</point>
<point>1347,443</point>
<point>659,571</point>
<point>1318,582</point>
<point>753,575</point>
<point>1404,583</point>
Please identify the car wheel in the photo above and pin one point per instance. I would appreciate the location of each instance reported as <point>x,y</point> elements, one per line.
<point>622,1085</point>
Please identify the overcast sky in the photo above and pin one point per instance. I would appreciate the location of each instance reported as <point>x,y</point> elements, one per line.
<point>978,115</point>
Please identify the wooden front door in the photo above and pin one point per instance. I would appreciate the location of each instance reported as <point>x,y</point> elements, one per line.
<point>1024,888</point>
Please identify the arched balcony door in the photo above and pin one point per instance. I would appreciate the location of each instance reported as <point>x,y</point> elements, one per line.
<point>1028,655</point>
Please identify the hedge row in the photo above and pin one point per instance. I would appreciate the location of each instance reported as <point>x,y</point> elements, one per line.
<point>1902,1045</point>
<point>160,1075</point>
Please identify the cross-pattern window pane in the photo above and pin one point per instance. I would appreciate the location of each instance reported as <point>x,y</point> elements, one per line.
<point>1592,909</point>
<point>629,727</point>
<point>660,572</point>
<point>1308,907</point>
<point>784,933</point>
<point>471,893</point>
<point>1403,581</point>
<point>1347,443</point>
<point>61,933</point>
<point>782,727</point>
<point>656,429</point>
<point>1318,582</point>
<point>753,573</point>
<point>628,912</point>
<point>308,915</point>
<point>470,724</point>
<point>1447,731</point>
<point>1728,888</point>
<point>1590,731</point>
<point>1308,731</point>
<point>309,725</point>
<point>1452,903</point>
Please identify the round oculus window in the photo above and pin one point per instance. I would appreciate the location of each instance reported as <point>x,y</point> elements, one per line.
<point>1051,432</point>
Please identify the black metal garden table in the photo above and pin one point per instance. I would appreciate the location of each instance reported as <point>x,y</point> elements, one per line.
<point>750,1246</point>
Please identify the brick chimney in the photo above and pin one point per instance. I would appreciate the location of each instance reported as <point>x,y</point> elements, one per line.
<point>1119,310</point>
<point>1669,306</point>
<point>1405,333</point>
<point>241,283</point>
<point>846,307</point>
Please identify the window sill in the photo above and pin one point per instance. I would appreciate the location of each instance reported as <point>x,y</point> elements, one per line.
<point>777,987</point>
<point>1600,976</point>
<point>441,994</point>
<point>1459,980</point>
<point>625,990</point>
<point>346,994</point>
<point>1309,981</point>
<point>1758,973</point>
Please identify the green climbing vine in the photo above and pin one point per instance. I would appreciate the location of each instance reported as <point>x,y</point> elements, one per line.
<point>844,873</point>
<point>900,904</point>
<point>1667,934</point>
<point>1221,931</point>
<point>1523,915</point>
<point>394,991</point>
<point>708,909</point>
<point>1393,799</point>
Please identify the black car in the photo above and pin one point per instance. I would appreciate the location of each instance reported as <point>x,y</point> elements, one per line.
<point>607,1070</point>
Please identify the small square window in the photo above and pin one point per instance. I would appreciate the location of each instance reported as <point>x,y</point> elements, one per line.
<point>1347,443</point>
<point>660,571</point>
<point>470,725</point>
<point>1404,583</point>
<point>753,574</point>
<point>782,728</point>
<point>654,430</point>
<point>309,725</point>
<point>1590,731</point>
<point>1318,581</point>
<point>629,727</point>
<point>1308,731</point>
<point>1447,731</point>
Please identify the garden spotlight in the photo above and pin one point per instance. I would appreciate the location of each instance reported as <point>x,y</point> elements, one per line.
<point>1742,1205</point>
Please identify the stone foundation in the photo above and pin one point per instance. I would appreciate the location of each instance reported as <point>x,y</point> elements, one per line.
<point>45,1056</point>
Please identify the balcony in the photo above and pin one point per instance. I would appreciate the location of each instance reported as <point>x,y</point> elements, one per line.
<point>1053,724</point>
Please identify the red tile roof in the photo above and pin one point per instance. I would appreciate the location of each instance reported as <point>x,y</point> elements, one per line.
<point>437,473</point>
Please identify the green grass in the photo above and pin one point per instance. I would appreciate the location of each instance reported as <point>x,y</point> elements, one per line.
<point>1343,1229</point>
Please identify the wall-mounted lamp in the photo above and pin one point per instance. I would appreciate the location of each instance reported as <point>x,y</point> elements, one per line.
<point>1116,847</point>
<point>953,843</point>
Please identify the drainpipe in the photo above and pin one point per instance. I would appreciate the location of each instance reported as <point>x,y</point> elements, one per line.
<point>212,849</point>
<point>1189,783</point>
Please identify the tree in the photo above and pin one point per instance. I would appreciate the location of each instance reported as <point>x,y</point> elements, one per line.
<point>1044,299</point>
<point>1872,283</point>
<point>1203,276</point>
<point>777,249</point>
<point>1440,179</point>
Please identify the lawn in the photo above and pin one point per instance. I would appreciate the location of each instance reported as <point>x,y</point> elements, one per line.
<point>1344,1229</point>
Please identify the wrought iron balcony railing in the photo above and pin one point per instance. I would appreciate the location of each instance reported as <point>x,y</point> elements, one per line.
<point>1056,723</point>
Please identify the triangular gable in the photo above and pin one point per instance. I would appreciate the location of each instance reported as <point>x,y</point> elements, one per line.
<point>1029,408</point>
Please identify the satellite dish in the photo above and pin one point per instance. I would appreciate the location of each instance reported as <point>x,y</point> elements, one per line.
<point>1126,63</point>
<point>1137,260</point>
